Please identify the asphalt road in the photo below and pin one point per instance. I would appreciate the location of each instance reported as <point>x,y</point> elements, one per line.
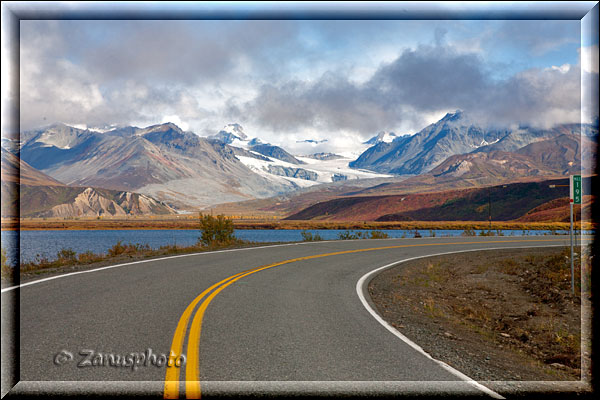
<point>291,326</point>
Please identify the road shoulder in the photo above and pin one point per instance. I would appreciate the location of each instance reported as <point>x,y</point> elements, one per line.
<point>485,316</point>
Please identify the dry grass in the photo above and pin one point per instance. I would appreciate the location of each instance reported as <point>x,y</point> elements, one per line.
<point>515,300</point>
<point>191,222</point>
<point>119,252</point>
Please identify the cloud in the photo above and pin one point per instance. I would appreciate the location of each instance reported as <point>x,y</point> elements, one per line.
<point>317,78</point>
<point>99,72</point>
<point>420,81</point>
<point>588,58</point>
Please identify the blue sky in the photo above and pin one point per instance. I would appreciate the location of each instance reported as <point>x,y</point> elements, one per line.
<point>289,80</point>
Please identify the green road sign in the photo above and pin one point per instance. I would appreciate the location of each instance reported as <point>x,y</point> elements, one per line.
<point>576,189</point>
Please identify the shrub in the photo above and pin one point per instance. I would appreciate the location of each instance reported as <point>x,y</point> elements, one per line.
<point>468,232</point>
<point>6,269</point>
<point>4,264</point>
<point>379,235</point>
<point>66,255</point>
<point>88,257</point>
<point>347,235</point>
<point>129,248</point>
<point>117,249</point>
<point>216,230</point>
<point>309,237</point>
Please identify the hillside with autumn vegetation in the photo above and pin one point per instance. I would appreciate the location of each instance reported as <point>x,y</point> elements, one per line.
<point>527,201</point>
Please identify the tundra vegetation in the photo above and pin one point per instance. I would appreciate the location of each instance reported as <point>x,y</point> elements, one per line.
<point>347,235</point>
<point>215,233</point>
<point>512,309</point>
<point>191,222</point>
<point>310,237</point>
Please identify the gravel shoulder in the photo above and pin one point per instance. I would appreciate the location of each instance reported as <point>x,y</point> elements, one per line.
<point>501,315</point>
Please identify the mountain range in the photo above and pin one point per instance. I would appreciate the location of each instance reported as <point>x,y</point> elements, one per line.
<point>39,195</point>
<point>456,134</point>
<point>179,168</point>
<point>184,171</point>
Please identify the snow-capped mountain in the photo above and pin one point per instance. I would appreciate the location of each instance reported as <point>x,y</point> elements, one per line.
<point>179,168</point>
<point>275,163</point>
<point>233,134</point>
<point>455,134</point>
<point>381,137</point>
<point>230,133</point>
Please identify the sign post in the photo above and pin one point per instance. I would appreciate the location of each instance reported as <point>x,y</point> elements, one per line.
<point>574,198</point>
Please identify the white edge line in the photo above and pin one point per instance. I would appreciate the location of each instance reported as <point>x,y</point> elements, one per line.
<point>360,287</point>
<point>141,262</point>
<point>7,289</point>
<point>196,254</point>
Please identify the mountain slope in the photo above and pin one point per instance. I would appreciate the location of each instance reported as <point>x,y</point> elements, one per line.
<point>558,156</point>
<point>43,196</point>
<point>69,202</point>
<point>453,134</point>
<point>456,134</point>
<point>161,160</point>
<point>382,136</point>
<point>508,202</point>
<point>18,171</point>
<point>277,152</point>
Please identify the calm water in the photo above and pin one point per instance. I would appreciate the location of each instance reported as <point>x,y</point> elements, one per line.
<point>38,244</point>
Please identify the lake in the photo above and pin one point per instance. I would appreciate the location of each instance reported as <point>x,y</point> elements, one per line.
<point>39,244</point>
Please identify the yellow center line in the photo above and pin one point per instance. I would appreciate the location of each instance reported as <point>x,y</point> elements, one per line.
<point>192,372</point>
<point>172,375</point>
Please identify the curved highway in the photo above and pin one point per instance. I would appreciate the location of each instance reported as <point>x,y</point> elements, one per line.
<point>287,319</point>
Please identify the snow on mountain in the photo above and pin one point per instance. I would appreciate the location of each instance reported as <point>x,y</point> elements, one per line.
<point>455,134</point>
<point>324,156</point>
<point>484,143</point>
<point>231,134</point>
<point>311,172</point>
<point>383,136</point>
<point>275,163</point>
<point>11,145</point>
<point>313,141</point>
<point>235,129</point>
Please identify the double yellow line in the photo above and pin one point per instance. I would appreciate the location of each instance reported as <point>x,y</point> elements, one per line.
<point>192,372</point>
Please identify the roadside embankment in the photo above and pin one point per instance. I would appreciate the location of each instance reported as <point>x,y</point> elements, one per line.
<point>494,315</point>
